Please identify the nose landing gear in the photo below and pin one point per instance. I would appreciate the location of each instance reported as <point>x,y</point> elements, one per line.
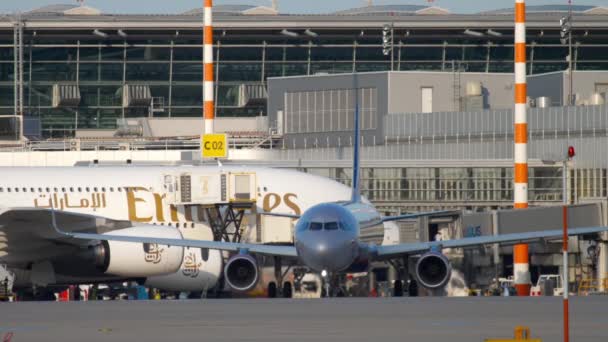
<point>332,285</point>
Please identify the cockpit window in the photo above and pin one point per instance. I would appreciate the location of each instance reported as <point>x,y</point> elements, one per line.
<point>331,226</point>
<point>315,226</point>
<point>343,226</point>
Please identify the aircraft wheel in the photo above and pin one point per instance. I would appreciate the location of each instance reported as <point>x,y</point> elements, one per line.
<point>287,290</point>
<point>272,290</point>
<point>398,289</point>
<point>413,288</point>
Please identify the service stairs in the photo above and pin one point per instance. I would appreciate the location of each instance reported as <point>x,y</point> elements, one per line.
<point>7,279</point>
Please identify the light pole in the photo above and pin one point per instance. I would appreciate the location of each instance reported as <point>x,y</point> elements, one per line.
<point>388,36</point>
<point>566,37</point>
<point>565,282</point>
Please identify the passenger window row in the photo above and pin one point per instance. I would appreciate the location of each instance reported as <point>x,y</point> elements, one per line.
<point>62,189</point>
<point>177,224</point>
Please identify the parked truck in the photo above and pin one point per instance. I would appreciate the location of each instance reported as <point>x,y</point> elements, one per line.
<point>548,285</point>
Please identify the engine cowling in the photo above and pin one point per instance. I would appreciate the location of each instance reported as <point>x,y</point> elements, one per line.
<point>136,260</point>
<point>199,271</point>
<point>241,272</point>
<point>433,270</point>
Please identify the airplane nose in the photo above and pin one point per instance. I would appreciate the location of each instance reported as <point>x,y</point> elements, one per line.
<point>327,251</point>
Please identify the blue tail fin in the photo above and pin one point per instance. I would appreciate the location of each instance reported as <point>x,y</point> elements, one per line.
<point>356,188</point>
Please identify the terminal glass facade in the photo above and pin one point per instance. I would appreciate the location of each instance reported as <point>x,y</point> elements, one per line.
<point>469,187</point>
<point>169,64</point>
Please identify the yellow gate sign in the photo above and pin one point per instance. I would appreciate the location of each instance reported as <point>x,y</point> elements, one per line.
<point>215,146</point>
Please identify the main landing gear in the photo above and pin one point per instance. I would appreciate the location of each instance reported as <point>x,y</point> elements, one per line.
<point>286,290</point>
<point>402,278</point>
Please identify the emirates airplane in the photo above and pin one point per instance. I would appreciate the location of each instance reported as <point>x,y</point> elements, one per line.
<point>131,201</point>
<point>330,237</point>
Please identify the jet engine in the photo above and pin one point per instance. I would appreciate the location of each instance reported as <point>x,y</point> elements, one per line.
<point>241,272</point>
<point>199,271</point>
<point>137,260</point>
<point>433,270</point>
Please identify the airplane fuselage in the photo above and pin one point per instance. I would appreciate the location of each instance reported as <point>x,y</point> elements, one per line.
<point>330,236</point>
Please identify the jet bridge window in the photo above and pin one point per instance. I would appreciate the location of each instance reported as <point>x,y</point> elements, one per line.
<point>242,187</point>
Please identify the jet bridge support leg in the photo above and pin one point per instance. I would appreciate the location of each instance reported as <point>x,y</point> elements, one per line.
<point>225,221</point>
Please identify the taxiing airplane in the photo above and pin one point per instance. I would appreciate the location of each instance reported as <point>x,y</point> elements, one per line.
<point>329,238</point>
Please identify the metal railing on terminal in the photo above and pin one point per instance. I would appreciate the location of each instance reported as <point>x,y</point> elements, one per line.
<point>136,144</point>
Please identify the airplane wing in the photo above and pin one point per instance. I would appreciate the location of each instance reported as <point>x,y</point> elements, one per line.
<point>26,234</point>
<point>286,251</point>
<point>292,216</point>
<point>393,251</point>
<point>416,215</point>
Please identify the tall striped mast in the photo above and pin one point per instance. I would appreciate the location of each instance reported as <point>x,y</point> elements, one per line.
<point>521,263</point>
<point>208,77</point>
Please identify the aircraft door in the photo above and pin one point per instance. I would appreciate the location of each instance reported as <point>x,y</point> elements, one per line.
<point>170,186</point>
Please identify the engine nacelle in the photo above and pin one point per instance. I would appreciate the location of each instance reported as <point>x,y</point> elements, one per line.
<point>199,271</point>
<point>137,260</point>
<point>433,270</point>
<point>241,272</point>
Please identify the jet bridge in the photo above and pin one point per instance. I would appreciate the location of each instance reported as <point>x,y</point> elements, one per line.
<point>481,265</point>
<point>587,254</point>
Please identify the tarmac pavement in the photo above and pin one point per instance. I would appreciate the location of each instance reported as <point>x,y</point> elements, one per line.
<point>468,319</point>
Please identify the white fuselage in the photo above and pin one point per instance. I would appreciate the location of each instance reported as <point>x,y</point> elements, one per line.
<point>139,194</point>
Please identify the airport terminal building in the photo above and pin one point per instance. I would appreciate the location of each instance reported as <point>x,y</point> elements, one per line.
<point>436,109</point>
<point>67,67</point>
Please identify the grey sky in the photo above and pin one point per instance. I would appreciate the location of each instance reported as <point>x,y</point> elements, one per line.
<point>291,6</point>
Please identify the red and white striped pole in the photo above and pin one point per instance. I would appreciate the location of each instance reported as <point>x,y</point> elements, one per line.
<point>565,276</point>
<point>208,78</point>
<point>521,265</point>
